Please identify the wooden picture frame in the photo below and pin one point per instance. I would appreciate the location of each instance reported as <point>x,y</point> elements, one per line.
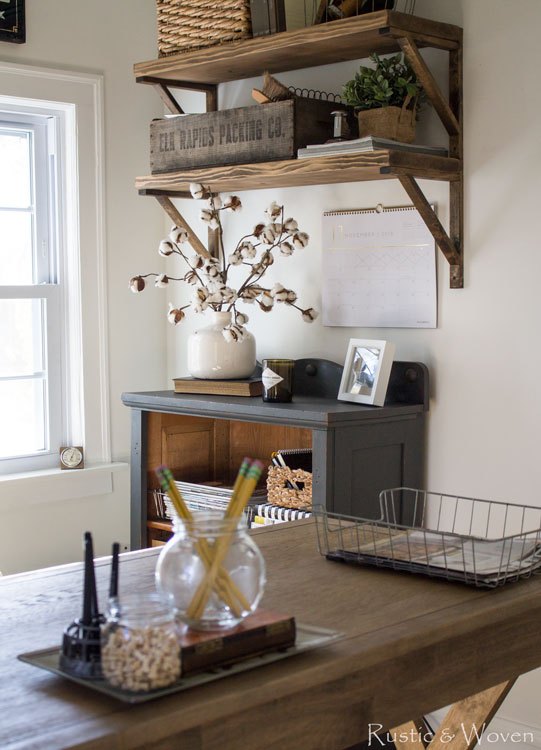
<point>366,371</point>
<point>12,21</point>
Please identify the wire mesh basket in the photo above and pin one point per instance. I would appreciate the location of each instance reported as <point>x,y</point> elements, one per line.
<point>479,542</point>
<point>332,10</point>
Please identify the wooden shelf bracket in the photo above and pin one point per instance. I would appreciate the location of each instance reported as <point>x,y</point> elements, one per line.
<point>163,86</point>
<point>451,249</point>
<point>450,113</point>
<point>423,73</point>
<point>179,221</point>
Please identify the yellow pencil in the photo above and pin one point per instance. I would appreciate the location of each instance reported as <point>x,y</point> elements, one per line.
<point>225,588</point>
<point>233,513</point>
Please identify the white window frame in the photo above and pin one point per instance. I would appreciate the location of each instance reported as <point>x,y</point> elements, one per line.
<point>78,98</point>
<point>47,130</point>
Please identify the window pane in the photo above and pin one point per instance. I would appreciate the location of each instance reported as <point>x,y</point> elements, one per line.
<point>16,256</point>
<point>15,174</point>
<point>21,334</point>
<point>23,417</point>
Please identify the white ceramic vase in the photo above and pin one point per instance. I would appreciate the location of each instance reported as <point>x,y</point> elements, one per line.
<point>211,357</point>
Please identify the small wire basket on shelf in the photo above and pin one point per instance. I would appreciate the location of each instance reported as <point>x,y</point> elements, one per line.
<point>479,542</point>
<point>332,10</point>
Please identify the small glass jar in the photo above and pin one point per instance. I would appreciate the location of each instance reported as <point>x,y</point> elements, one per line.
<point>277,377</point>
<point>185,571</point>
<point>140,649</point>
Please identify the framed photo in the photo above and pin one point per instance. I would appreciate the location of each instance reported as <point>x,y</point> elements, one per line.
<point>366,371</point>
<point>12,21</point>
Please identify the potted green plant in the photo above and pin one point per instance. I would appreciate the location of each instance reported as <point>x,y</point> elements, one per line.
<point>387,98</point>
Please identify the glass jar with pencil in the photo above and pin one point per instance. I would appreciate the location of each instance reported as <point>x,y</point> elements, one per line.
<point>211,568</point>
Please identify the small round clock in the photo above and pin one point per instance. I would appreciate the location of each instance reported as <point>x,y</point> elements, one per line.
<point>71,457</point>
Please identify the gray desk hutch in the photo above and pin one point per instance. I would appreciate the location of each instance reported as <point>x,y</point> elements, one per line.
<point>357,450</point>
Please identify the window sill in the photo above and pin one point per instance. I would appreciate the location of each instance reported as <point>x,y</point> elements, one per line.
<point>56,485</point>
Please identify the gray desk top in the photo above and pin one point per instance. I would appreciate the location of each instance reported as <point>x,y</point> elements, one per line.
<point>307,411</point>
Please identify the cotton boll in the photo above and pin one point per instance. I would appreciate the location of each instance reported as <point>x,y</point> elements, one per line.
<point>215,202</point>
<point>137,284</point>
<point>290,225</point>
<point>232,203</point>
<point>174,316</point>
<point>279,293</point>
<point>235,259</point>
<point>267,259</point>
<point>309,315</point>
<point>247,251</point>
<point>166,248</point>
<point>200,299</point>
<point>197,190</point>
<point>196,262</point>
<point>273,211</point>
<point>162,280</point>
<point>268,235</point>
<point>300,239</point>
<point>229,295</point>
<point>286,248</point>
<point>178,235</point>
<point>206,215</point>
<point>266,302</point>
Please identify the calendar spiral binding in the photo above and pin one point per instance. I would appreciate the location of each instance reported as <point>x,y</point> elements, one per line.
<point>376,210</point>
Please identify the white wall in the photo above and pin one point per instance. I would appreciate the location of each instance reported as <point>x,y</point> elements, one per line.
<point>484,358</point>
<point>105,38</point>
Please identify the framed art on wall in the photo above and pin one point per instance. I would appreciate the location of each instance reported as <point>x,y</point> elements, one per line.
<point>12,21</point>
<point>366,371</point>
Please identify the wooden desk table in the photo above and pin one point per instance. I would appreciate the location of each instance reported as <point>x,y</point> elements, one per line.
<point>411,645</point>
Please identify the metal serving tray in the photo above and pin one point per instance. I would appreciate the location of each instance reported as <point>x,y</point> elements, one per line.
<point>308,637</point>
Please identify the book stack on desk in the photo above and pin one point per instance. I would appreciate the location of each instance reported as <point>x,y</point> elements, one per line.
<point>258,634</point>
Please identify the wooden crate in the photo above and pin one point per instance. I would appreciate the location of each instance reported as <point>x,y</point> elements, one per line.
<point>264,132</point>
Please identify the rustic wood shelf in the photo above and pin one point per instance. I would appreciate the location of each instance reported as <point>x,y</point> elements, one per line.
<point>373,165</point>
<point>337,41</point>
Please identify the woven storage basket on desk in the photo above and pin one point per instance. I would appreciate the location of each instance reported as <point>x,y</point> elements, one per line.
<point>280,494</point>
<point>189,24</point>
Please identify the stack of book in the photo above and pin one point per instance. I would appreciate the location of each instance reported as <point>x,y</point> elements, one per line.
<point>266,514</point>
<point>208,496</point>
<point>369,143</point>
<point>258,634</point>
<point>247,387</point>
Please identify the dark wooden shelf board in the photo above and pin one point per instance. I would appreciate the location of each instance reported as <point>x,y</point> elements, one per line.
<point>337,41</point>
<point>373,165</point>
<point>160,525</point>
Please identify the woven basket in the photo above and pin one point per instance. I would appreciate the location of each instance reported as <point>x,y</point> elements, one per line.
<point>395,123</point>
<point>279,494</point>
<point>190,24</point>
